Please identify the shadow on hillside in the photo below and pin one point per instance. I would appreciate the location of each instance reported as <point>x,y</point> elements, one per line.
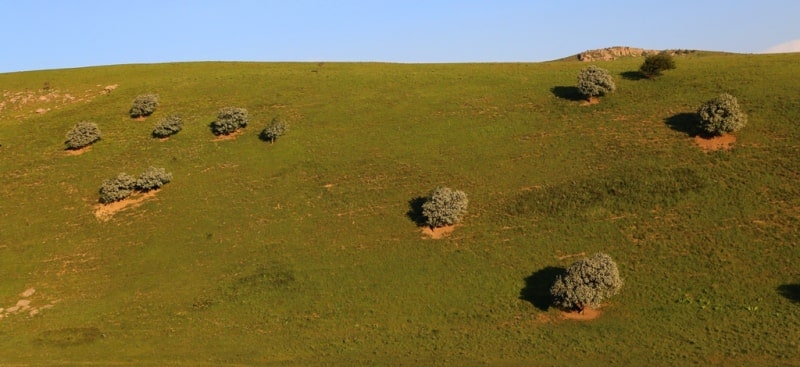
<point>569,93</point>
<point>790,291</point>
<point>537,287</point>
<point>685,122</point>
<point>633,75</point>
<point>415,210</point>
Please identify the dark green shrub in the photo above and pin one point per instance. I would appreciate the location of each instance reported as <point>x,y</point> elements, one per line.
<point>721,115</point>
<point>655,65</point>
<point>595,81</point>
<point>587,283</point>
<point>444,207</point>
<point>168,126</point>
<point>144,105</point>
<point>275,129</point>
<point>82,134</point>
<point>152,179</point>
<point>117,188</point>
<point>229,120</point>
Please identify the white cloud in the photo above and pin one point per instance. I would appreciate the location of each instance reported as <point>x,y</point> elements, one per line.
<point>791,46</point>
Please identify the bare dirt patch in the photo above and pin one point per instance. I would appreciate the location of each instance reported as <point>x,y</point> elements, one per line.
<point>714,143</point>
<point>231,136</point>
<point>588,314</point>
<point>73,152</point>
<point>590,101</point>
<point>104,212</point>
<point>438,232</point>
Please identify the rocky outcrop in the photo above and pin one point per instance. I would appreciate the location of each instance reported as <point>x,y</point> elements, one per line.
<point>613,53</point>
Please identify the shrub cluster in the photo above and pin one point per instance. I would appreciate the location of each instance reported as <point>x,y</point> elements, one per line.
<point>168,126</point>
<point>595,81</point>
<point>275,129</point>
<point>444,207</point>
<point>587,283</point>
<point>152,179</point>
<point>122,186</point>
<point>144,105</point>
<point>82,134</point>
<point>117,188</point>
<point>655,65</point>
<point>229,120</point>
<point>721,115</point>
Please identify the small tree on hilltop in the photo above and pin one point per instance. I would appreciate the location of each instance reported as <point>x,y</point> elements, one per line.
<point>655,65</point>
<point>117,188</point>
<point>444,207</point>
<point>721,115</point>
<point>587,283</point>
<point>229,120</point>
<point>144,105</point>
<point>275,129</point>
<point>82,134</point>
<point>594,81</point>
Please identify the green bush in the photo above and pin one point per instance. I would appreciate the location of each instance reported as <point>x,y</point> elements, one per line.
<point>595,81</point>
<point>229,120</point>
<point>587,283</point>
<point>275,129</point>
<point>144,105</point>
<point>721,115</point>
<point>117,188</point>
<point>152,179</point>
<point>655,65</point>
<point>168,126</point>
<point>82,134</point>
<point>444,207</point>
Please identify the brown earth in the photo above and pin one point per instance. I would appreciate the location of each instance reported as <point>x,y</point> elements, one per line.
<point>714,143</point>
<point>438,232</point>
<point>77,151</point>
<point>104,212</point>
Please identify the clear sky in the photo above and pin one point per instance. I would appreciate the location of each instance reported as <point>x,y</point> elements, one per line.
<point>52,34</point>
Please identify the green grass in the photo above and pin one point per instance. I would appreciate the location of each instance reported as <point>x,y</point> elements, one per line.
<point>301,252</point>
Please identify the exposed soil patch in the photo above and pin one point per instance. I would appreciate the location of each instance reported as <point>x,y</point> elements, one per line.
<point>590,101</point>
<point>104,212</point>
<point>24,305</point>
<point>438,232</point>
<point>714,143</point>
<point>231,136</point>
<point>80,151</point>
<point>588,314</point>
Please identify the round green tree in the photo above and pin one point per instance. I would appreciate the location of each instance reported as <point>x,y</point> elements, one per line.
<point>168,126</point>
<point>594,81</point>
<point>82,134</point>
<point>275,129</point>
<point>721,115</point>
<point>587,283</point>
<point>229,120</point>
<point>444,207</point>
<point>144,105</point>
<point>655,65</point>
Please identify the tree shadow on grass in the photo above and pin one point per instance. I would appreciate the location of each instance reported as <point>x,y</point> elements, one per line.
<point>537,287</point>
<point>790,291</point>
<point>686,123</point>
<point>633,75</point>
<point>568,93</point>
<point>415,211</point>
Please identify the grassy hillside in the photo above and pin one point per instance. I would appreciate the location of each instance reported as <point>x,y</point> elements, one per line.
<point>302,252</point>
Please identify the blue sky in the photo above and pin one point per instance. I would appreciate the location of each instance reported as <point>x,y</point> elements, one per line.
<point>42,34</point>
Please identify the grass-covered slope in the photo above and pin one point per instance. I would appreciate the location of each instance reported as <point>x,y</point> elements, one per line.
<point>302,252</point>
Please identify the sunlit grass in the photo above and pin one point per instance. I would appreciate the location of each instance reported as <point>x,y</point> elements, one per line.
<point>301,252</point>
